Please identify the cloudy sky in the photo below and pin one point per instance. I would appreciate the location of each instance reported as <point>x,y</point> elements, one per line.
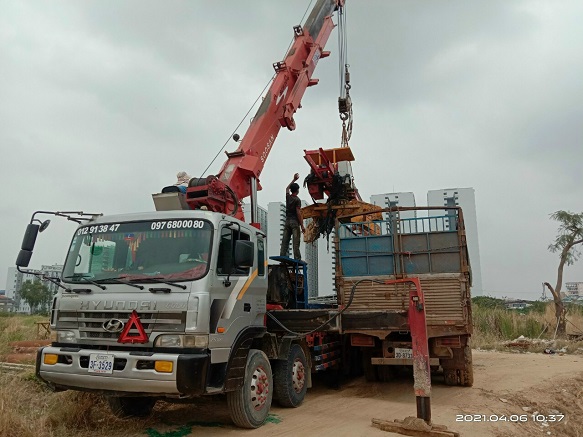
<point>102,102</point>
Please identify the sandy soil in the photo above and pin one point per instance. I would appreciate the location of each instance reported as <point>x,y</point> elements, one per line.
<point>504,384</point>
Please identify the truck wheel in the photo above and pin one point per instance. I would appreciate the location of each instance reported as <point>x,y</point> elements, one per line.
<point>450,376</point>
<point>290,385</point>
<point>459,370</point>
<point>386,373</point>
<point>467,377</point>
<point>131,406</point>
<point>249,404</point>
<point>370,370</point>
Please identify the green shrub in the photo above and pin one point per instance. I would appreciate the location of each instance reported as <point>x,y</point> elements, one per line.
<point>494,323</point>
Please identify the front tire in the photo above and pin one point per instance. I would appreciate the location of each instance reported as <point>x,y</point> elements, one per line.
<point>125,407</point>
<point>290,382</point>
<point>249,405</point>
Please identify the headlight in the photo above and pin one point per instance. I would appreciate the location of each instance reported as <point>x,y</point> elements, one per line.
<point>65,337</point>
<point>183,341</point>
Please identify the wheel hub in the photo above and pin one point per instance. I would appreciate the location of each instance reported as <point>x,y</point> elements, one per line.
<point>298,375</point>
<point>259,388</point>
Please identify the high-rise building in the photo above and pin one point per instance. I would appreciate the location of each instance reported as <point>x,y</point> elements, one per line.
<point>574,288</point>
<point>326,266</point>
<point>275,223</point>
<point>16,279</point>
<point>466,199</point>
<point>55,271</point>
<point>261,216</point>
<point>402,200</point>
<point>387,200</point>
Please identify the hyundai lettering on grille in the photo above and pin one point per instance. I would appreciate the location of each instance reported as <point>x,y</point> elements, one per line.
<point>113,325</point>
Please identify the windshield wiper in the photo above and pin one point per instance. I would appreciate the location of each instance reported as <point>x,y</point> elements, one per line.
<point>160,280</point>
<point>120,281</point>
<point>86,279</point>
<point>56,282</point>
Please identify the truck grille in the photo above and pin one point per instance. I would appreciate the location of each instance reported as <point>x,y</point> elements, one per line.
<point>90,323</point>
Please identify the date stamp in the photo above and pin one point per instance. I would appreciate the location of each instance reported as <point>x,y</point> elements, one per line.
<point>516,418</point>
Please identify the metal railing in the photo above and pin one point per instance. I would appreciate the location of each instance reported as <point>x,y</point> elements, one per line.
<point>393,225</point>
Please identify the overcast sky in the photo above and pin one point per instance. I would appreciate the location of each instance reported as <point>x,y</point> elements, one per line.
<point>102,102</point>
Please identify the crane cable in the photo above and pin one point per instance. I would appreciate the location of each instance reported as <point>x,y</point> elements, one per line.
<point>255,102</point>
<point>344,100</point>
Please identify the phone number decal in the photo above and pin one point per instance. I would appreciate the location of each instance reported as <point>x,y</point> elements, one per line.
<point>98,229</point>
<point>178,224</point>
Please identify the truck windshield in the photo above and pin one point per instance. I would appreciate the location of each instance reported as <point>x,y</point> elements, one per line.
<point>170,250</point>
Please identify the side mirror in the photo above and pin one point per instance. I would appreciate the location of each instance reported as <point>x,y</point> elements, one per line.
<point>23,258</point>
<point>44,225</point>
<point>244,254</point>
<point>30,237</point>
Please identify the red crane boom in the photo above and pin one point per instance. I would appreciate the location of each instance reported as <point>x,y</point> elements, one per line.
<point>239,175</point>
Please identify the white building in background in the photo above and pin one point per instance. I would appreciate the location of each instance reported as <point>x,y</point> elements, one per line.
<point>574,288</point>
<point>55,271</point>
<point>275,222</point>
<point>466,199</point>
<point>309,251</point>
<point>326,266</point>
<point>16,279</point>
<point>403,200</point>
<point>261,215</point>
<point>387,200</point>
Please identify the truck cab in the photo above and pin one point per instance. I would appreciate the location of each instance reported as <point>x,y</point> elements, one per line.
<point>160,304</point>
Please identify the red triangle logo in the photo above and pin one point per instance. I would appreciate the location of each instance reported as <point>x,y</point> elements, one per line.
<point>133,322</point>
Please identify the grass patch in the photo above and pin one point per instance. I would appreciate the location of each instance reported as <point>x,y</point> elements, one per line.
<point>17,328</point>
<point>29,409</point>
<point>494,325</point>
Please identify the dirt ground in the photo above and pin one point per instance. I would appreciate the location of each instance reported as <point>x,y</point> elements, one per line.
<point>506,385</point>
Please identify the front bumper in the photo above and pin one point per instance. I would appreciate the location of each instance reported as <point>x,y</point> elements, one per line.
<point>188,376</point>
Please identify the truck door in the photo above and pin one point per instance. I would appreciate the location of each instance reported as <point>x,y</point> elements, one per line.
<point>238,299</point>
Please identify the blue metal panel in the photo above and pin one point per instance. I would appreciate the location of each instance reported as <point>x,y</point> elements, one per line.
<point>426,245</point>
<point>380,265</point>
<point>367,255</point>
<point>355,266</point>
<point>381,244</point>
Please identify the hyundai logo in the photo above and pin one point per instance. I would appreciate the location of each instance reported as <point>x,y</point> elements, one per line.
<point>113,325</point>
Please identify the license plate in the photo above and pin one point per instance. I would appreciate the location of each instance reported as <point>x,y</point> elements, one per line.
<point>100,363</point>
<point>403,353</point>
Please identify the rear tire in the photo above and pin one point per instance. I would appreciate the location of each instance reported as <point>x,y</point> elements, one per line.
<point>370,370</point>
<point>459,370</point>
<point>249,405</point>
<point>125,407</point>
<point>289,378</point>
<point>467,378</point>
<point>386,373</point>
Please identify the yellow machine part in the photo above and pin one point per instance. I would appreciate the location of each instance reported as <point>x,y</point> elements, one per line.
<point>319,211</point>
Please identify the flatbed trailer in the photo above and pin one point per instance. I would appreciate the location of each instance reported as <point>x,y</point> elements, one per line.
<point>371,313</point>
